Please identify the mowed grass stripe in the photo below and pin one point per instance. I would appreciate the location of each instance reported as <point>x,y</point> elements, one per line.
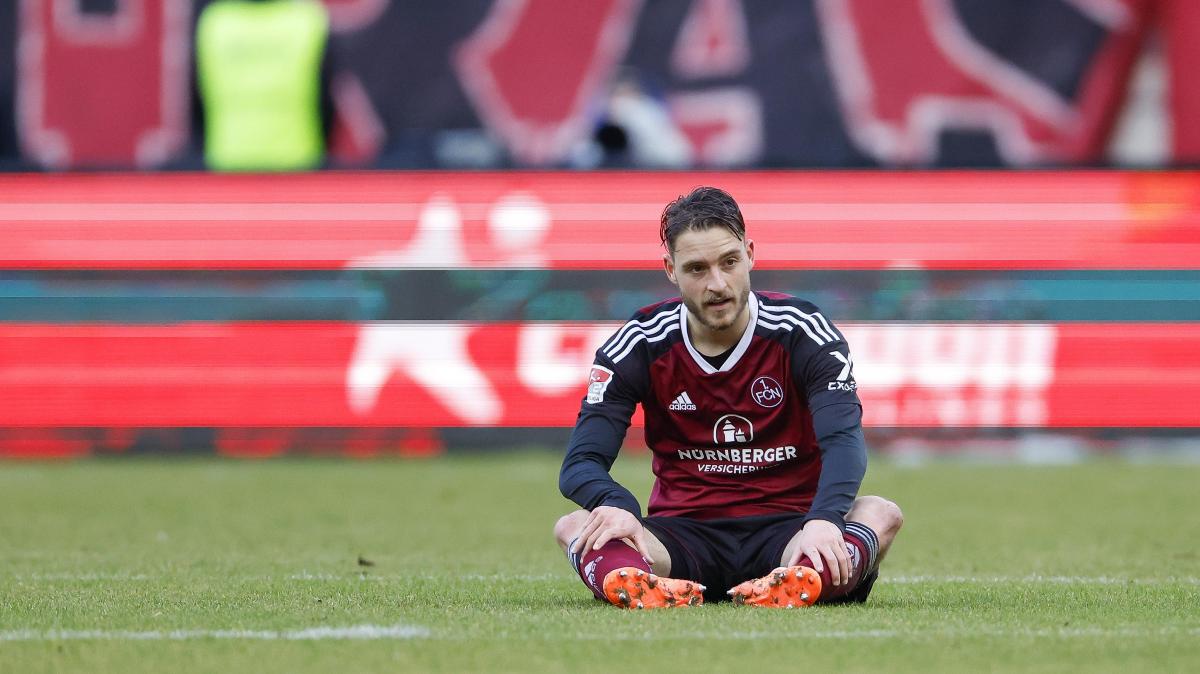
<point>999,568</point>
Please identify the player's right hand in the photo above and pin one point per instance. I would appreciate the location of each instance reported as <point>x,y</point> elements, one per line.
<point>606,523</point>
<point>823,543</point>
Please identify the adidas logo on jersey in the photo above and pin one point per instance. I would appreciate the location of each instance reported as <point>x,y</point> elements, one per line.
<point>682,403</point>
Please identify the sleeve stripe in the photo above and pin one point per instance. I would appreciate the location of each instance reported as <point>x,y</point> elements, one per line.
<point>619,335</point>
<point>631,329</point>
<point>630,339</point>
<point>666,330</point>
<point>789,325</point>
<point>828,327</point>
<point>786,322</point>
<point>815,319</point>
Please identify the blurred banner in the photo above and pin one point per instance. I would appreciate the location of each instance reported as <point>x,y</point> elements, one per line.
<point>378,310</point>
<point>501,83</point>
<point>828,220</point>
<point>522,375</point>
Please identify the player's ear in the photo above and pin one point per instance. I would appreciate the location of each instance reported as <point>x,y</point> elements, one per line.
<point>750,251</point>
<point>669,267</point>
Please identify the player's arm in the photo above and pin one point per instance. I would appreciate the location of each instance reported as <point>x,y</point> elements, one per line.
<point>613,512</point>
<point>824,369</point>
<point>612,509</point>
<point>827,377</point>
<point>593,448</point>
<point>838,427</point>
<point>600,428</point>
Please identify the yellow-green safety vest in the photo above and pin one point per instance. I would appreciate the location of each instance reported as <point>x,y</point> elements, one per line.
<point>258,66</point>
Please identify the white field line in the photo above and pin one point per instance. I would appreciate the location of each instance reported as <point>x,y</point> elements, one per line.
<point>305,576</point>
<point>914,633</point>
<point>1032,579</point>
<point>73,577</point>
<point>474,577</point>
<point>1035,579</point>
<point>321,633</point>
<point>477,577</point>
<point>405,632</point>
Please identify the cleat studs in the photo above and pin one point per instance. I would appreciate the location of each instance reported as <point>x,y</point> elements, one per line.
<point>695,600</point>
<point>623,597</point>
<point>803,596</point>
<point>702,588</point>
<point>652,581</point>
<point>639,573</point>
<point>640,605</point>
<point>623,574</point>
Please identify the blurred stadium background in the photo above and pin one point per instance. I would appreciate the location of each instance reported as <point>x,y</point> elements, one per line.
<point>440,283</point>
<point>408,240</point>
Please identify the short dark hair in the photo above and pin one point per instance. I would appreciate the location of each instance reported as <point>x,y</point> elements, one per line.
<point>702,208</point>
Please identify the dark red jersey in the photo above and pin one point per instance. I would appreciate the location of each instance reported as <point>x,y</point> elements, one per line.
<point>728,441</point>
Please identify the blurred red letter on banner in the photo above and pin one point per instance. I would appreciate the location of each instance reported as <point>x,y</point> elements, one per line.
<point>103,89</point>
<point>538,103</point>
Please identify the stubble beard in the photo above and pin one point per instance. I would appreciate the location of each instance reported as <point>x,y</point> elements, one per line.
<point>700,313</point>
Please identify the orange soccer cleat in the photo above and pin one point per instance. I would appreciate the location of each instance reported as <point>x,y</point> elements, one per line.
<point>631,587</point>
<point>785,587</point>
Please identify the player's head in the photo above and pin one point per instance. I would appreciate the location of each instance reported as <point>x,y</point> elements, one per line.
<point>708,255</point>
<point>702,208</point>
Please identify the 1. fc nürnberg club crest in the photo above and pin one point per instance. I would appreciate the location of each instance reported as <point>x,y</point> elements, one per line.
<point>766,392</point>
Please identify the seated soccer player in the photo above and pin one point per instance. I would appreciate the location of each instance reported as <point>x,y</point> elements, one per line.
<point>754,422</point>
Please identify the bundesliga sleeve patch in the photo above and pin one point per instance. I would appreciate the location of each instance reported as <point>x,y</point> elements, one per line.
<point>598,380</point>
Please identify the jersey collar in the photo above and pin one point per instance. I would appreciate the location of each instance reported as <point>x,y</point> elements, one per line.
<point>738,351</point>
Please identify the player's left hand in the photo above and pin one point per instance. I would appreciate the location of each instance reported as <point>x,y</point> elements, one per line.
<point>606,523</point>
<point>823,543</point>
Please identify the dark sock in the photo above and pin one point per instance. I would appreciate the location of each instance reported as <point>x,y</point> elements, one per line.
<point>861,544</point>
<point>828,589</point>
<point>595,564</point>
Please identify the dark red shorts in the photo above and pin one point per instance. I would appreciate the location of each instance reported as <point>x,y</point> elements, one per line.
<point>721,553</point>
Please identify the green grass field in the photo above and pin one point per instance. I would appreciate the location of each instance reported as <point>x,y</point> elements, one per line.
<point>181,565</point>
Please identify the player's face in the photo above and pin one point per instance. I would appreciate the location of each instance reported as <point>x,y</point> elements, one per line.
<point>712,269</point>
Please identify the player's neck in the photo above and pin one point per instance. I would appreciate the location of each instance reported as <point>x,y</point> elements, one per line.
<point>711,342</point>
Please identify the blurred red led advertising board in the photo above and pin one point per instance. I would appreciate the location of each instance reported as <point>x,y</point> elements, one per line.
<point>453,374</point>
<point>821,220</point>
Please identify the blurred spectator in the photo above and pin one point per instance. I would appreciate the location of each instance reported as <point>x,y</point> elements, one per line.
<point>635,131</point>
<point>262,77</point>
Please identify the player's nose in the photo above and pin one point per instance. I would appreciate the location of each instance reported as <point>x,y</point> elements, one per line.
<point>716,281</point>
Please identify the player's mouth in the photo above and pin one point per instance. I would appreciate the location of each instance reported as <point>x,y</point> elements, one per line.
<point>719,304</point>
